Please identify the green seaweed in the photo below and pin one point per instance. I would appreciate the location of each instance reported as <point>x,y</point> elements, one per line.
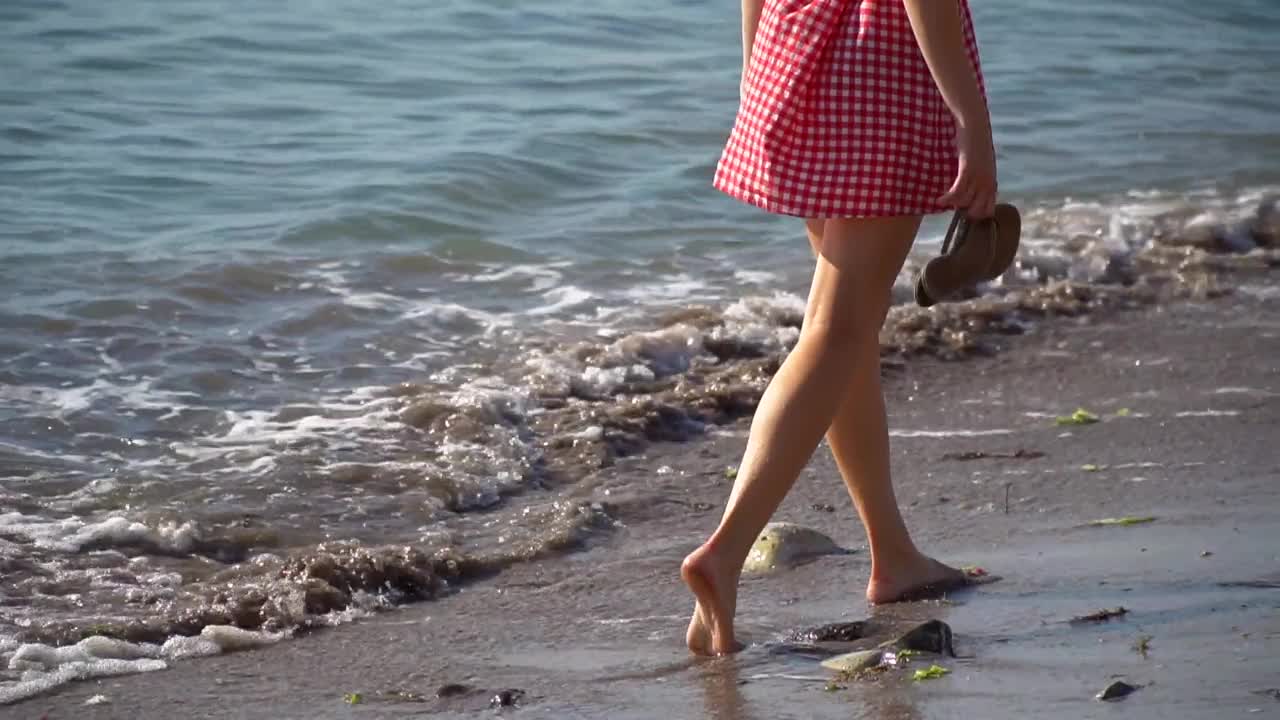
<point>1124,412</point>
<point>1142,645</point>
<point>1079,417</point>
<point>1100,616</point>
<point>933,672</point>
<point>1090,467</point>
<point>731,473</point>
<point>353,698</point>
<point>1126,520</point>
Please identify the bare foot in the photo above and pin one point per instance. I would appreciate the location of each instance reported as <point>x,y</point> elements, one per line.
<point>698,636</point>
<point>921,578</point>
<point>711,627</point>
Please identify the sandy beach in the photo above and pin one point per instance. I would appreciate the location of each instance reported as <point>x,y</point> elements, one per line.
<point>1188,401</point>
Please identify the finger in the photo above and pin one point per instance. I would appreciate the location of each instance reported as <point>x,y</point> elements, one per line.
<point>961,193</point>
<point>949,197</point>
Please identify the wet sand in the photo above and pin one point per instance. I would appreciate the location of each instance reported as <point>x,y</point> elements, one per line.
<point>598,633</point>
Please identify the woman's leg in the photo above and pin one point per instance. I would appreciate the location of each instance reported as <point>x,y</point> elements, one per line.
<point>856,267</point>
<point>859,441</point>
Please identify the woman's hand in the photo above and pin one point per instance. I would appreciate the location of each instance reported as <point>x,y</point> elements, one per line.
<point>975,186</point>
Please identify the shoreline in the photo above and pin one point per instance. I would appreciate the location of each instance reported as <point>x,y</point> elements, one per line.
<point>408,471</point>
<point>1194,451</point>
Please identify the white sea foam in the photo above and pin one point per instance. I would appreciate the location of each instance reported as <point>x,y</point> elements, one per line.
<point>756,277</point>
<point>595,432</point>
<point>540,277</point>
<point>560,299</point>
<point>74,534</point>
<point>947,433</point>
<point>1261,292</point>
<point>1242,391</point>
<point>64,401</point>
<point>35,656</point>
<point>634,620</point>
<point>1207,413</point>
<point>38,683</point>
<point>253,437</point>
<point>762,321</point>
<point>455,315</point>
<point>65,462</point>
<point>680,287</point>
<point>45,667</point>
<point>667,351</point>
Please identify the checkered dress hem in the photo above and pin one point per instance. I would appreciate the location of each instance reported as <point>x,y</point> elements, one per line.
<point>840,116</point>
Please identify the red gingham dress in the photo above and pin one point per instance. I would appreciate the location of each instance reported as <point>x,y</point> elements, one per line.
<point>839,115</point>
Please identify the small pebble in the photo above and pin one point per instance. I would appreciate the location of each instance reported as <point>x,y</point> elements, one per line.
<point>1273,693</point>
<point>1206,553</point>
<point>507,698</point>
<point>97,700</point>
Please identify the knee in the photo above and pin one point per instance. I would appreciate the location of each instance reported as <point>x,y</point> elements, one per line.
<point>854,324</point>
<point>840,339</point>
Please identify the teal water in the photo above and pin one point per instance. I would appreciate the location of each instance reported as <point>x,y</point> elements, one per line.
<point>177,128</point>
<point>227,228</point>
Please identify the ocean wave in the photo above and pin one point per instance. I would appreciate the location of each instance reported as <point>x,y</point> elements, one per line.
<point>266,599</point>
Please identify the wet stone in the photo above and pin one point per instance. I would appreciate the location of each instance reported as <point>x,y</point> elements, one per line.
<point>784,545</point>
<point>835,632</point>
<point>1116,690</point>
<point>451,690</point>
<point>855,662</point>
<point>934,636</point>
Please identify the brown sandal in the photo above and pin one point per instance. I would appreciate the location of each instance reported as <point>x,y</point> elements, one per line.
<point>973,251</point>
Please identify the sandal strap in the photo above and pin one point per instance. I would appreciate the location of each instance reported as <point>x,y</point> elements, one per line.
<point>958,222</point>
<point>959,227</point>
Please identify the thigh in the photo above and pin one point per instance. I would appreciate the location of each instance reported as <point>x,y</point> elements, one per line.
<point>813,228</point>
<point>858,261</point>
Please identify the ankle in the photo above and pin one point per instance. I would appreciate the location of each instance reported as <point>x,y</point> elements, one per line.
<point>720,556</point>
<point>893,559</point>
